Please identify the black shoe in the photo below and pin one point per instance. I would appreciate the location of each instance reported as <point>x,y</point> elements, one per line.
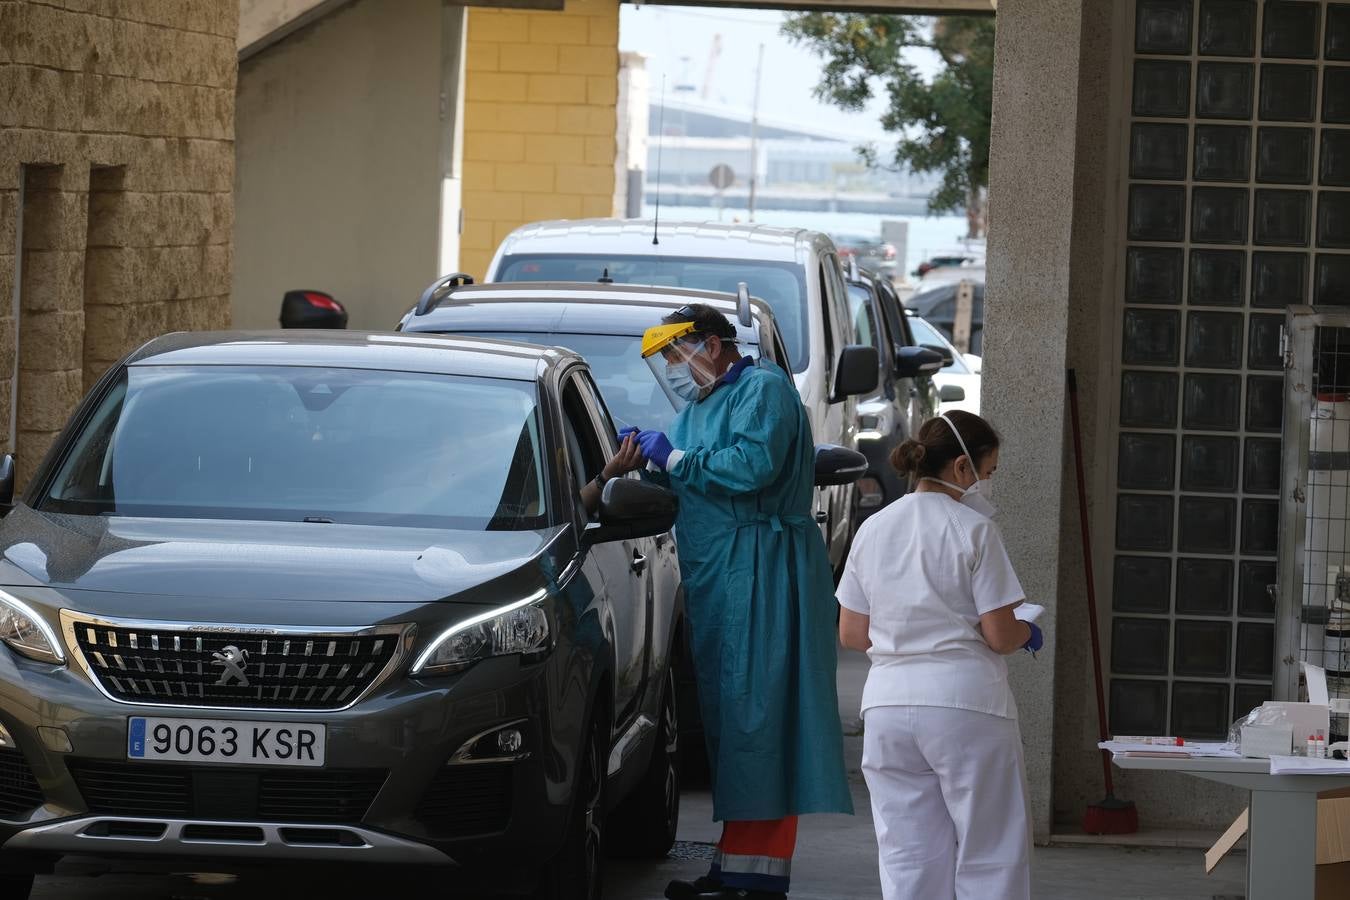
<point>699,888</point>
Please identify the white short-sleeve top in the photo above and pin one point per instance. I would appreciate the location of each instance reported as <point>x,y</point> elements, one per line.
<point>924,569</point>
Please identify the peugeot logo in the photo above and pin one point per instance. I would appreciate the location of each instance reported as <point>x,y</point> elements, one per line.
<point>233,660</point>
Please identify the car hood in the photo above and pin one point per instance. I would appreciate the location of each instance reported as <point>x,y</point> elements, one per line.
<point>263,561</point>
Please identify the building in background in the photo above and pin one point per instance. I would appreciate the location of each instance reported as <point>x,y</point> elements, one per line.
<point>540,120</point>
<point>347,177</point>
<point>116,169</point>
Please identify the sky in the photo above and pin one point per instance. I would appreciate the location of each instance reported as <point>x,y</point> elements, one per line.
<point>676,41</point>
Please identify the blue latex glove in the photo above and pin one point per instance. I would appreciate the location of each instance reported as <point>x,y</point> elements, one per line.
<point>1037,639</point>
<point>656,447</point>
<point>631,429</point>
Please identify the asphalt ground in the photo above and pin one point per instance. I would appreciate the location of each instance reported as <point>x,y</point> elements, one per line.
<point>836,859</point>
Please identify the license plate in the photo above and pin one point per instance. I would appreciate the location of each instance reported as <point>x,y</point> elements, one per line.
<point>225,741</point>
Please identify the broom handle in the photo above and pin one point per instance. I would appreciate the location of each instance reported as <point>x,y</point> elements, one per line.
<point>1091,581</point>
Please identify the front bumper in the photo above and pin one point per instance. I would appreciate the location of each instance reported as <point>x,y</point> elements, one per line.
<point>406,801</point>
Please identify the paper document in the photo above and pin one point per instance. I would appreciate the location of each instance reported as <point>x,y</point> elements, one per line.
<point>1028,612</point>
<point>1188,749</point>
<point>1316,678</point>
<point>1302,765</point>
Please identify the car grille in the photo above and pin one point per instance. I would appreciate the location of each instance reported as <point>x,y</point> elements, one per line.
<point>19,791</point>
<point>233,669</point>
<point>467,799</point>
<point>329,796</point>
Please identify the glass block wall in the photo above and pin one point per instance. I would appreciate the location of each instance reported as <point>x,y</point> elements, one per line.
<point>1236,206</point>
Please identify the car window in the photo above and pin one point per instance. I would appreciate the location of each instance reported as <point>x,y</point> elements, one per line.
<point>864,320</point>
<point>625,380</point>
<point>293,443</point>
<point>583,447</point>
<point>781,285</point>
<point>925,333</point>
<point>826,315</point>
<point>895,315</point>
<point>600,417</point>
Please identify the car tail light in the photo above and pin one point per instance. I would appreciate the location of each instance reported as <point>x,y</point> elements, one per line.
<point>323,301</point>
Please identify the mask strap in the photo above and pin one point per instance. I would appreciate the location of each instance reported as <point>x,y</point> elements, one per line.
<point>960,440</point>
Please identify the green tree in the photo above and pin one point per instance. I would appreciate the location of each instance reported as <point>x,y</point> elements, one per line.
<point>942,125</point>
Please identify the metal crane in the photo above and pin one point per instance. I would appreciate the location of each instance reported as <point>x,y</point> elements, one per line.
<point>714,52</point>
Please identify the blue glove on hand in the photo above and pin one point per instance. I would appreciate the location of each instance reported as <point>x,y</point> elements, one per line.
<point>656,447</point>
<point>1037,639</point>
<point>631,429</point>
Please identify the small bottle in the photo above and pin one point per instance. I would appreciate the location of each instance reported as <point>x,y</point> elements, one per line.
<point>1311,751</point>
<point>1321,745</point>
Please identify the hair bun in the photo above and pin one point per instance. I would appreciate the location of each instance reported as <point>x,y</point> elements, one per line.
<point>908,457</point>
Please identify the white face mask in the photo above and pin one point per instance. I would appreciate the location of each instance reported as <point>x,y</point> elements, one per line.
<point>980,495</point>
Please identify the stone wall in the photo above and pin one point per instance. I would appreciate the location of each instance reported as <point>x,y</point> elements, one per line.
<point>539,120</point>
<point>116,169</point>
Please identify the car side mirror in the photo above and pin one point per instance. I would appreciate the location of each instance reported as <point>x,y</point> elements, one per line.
<point>857,372</point>
<point>632,509</point>
<point>911,362</point>
<point>947,357</point>
<point>838,465</point>
<point>951,393</point>
<point>6,483</point>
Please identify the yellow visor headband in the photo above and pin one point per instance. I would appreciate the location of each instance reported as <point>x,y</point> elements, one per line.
<point>658,338</point>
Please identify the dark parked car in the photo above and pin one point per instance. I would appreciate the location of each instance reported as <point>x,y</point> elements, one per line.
<point>333,596</point>
<point>905,396</point>
<point>604,323</point>
<point>938,306</point>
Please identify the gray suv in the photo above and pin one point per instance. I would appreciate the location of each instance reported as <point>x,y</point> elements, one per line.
<point>335,596</point>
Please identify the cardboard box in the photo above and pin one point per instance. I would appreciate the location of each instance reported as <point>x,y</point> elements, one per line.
<point>1333,844</point>
<point>1266,740</point>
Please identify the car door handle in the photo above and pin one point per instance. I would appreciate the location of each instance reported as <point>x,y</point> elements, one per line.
<point>822,517</point>
<point>639,563</point>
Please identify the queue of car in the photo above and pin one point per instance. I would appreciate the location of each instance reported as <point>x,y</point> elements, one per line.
<point>332,596</point>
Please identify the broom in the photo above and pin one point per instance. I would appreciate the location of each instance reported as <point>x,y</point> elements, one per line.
<point>1111,815</point>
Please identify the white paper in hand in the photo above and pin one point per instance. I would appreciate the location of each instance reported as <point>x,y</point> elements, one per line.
<point>1028,612</point>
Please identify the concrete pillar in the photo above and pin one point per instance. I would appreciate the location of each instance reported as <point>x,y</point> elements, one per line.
<point>51,309</point>
<point>1027,300</point>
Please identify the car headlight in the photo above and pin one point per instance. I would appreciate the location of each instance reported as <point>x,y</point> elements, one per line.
<point>520,627</point>
<point>26,633</point>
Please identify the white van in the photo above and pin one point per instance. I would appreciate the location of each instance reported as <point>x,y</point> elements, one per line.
<point>796,271</point>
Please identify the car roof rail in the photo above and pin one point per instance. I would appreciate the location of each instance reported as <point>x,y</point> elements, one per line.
<point>440,289</point>
<point>743,305</point>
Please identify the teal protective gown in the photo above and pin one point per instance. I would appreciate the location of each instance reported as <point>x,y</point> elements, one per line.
<point>760,599</point>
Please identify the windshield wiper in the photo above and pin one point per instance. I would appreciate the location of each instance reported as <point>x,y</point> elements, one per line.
<point>318,520</point>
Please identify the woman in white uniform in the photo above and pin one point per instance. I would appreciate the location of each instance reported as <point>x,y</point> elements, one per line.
<point>929,593</point>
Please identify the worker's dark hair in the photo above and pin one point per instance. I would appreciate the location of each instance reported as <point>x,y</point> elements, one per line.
<point>926,455</point>
<point>706,320</point>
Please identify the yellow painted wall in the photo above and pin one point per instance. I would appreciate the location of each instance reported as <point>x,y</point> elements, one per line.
<point>539,120</point>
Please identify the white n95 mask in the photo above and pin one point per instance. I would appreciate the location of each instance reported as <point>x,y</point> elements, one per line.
<point>980,495</point>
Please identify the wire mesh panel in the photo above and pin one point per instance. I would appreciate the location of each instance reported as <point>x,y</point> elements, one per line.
<point>1234,208</point>
<point>1314,587</point>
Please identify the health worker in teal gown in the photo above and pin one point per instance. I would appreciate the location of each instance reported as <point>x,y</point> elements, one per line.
<point>759,594</point>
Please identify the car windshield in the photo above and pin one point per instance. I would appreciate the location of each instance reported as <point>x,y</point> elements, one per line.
<point>627,383</point>
<point>925,333</point>
<point>290,443</point>
<point>781,285</point>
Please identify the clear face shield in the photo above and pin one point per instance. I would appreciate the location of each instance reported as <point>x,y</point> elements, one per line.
<point>683,369</point>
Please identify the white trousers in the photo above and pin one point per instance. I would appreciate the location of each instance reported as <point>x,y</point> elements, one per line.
<point>950,803</point>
